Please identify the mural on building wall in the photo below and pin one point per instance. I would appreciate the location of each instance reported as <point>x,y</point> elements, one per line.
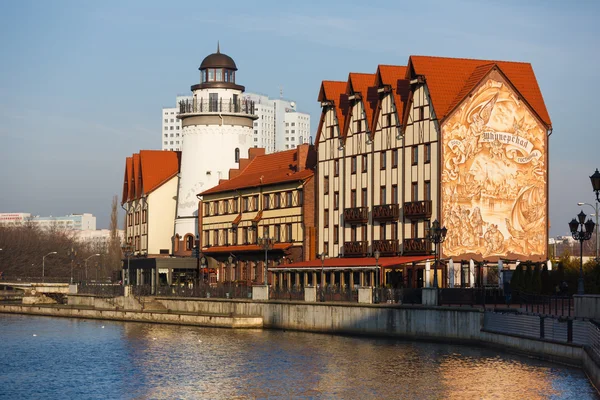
<point>494,177</point>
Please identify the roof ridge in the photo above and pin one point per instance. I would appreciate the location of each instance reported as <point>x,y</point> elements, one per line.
<point>470,59</point>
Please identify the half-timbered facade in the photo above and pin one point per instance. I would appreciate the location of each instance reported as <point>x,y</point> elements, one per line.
<point>460,141</point>
<point>268,196</point>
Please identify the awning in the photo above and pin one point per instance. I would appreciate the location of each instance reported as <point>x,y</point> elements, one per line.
<point>243,248</point>
<point>353,263</point>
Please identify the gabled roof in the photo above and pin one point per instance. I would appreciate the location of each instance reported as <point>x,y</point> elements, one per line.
<point>265,170</point>
<point>148,170</point>
<point>334,92</point>
<point>448,77</point>
<point>395,77</point>
<point>363,84</point>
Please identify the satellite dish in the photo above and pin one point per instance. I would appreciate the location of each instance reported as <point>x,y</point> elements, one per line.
<point>292,104</point>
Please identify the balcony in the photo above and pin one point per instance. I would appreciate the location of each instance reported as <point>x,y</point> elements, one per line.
<point>203,106</point>
<point>417,209</point>
<point>356,249</point>
<point>386,247</point>
<point>418,246</point>
<point>386,212</point>
<point>356,215</point>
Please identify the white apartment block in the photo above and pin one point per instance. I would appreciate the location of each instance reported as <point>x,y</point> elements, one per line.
<point>76,222</point>
<point>279,125</point>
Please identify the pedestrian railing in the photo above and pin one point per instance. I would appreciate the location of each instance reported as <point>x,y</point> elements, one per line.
<point>541,304</point>
<point>205,291</point>
<point>336,293</point>
<point>397,296</point>
<point>105,290</point>
<point>34,279</point>
<point>294,293</point>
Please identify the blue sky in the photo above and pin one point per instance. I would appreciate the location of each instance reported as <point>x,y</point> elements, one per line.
<point>82,84</point>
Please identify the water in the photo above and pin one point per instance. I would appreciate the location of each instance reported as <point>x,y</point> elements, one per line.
<point>78,359</point>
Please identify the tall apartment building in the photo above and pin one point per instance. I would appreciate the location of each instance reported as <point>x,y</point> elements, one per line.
<point>279,125</point>
<point>78,222</point>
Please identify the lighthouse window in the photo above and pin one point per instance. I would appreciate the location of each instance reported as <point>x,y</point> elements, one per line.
<point>218,75</point>
<point>211,74</point>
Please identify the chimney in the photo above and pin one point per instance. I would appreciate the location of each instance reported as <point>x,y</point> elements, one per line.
<point>302,155</point>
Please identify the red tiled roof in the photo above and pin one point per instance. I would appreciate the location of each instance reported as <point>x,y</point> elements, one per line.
<point>448,77</point>
<point>357,262</point>
<point>265,170</point>
<point>243,248</point>
<point>147,170</point>
<point>335,92</point>
<point>395,76</point>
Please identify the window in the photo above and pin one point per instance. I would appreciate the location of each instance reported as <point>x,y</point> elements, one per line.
<point>415,155</point>
<point>326,185</point>
<point>414,230</point>
<point>326,247</point>
<point>388,120</point>
<point>395,158</point>
<point>235,205</point>
<point>189,242</point>
<point>364,163</point>
<point>353,198</point>
<point>353,233</point>
<point>336,200</point>
<point>216,237</point>
<point>364,197</point>
<point>382,195</point>
<point>277,199</point>
<point>234,236</point>
<point>300,197</point>
<point>144,216</point>
<point>277,233</point>
<point>336,167</point>
<point>237,154</point>
<point>427,190</point>
<point>288,233</point>
<point>382,231</point>
<point>358,126</point>
<point>326,218</point>
<point>288,199</point>
<point>206,209</point>
<point>246,201</point>
<point>245,235</point>
<point>383,159</point>
<point>394,194</point>
<point>363,232</point>
<point>265,201</point>
<point>427,153</point>
<point>331,131</point>
<point>414,191</point>
<point>206,238</point>
<point>130,219</point>
<point>336,234</point>
<point>137,217</point>
<point>353,164</point>
<point>255,202</point>
<point>217,203</point>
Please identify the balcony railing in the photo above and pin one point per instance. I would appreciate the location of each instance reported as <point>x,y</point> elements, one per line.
<point>418,246</point>
<point>386,247</point>
<point>356,249</point>
<point>417,209</point>
<point>386,212</point>
<point>241,106</point>
<point>356,214</point>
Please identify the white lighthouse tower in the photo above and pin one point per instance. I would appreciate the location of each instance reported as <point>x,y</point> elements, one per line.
<point>217,127</point>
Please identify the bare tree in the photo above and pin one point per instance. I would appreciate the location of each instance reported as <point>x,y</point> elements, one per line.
<point>113,257</point>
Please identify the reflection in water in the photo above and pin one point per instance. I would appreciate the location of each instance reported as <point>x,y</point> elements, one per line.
<point>80,359</point>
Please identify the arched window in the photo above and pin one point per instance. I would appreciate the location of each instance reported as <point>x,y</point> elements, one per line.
<point>189,242</point>
<point>237,154</point>
<point>176,244</point>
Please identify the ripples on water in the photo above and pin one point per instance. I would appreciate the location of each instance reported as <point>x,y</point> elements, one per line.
<point>78,359</point>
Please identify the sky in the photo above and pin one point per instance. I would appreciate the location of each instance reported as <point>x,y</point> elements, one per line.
<point>82,83</point>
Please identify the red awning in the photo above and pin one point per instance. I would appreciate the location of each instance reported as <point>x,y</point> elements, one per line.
<point>356,262</point>
<point>243,248</point>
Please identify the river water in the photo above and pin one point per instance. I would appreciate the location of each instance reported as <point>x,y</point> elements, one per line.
<point>59,358</point>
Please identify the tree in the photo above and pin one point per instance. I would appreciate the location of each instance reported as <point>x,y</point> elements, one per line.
<point>547,287</point>
<point>528,287</point>
<point>113,257</point>
<point>516,281</point>
<point>536,280</point>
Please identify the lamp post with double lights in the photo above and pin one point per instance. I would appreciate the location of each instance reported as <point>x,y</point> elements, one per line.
<point>596,209</point>
<point>72,253</point>
<point>437,235</point>
<point>86,260</point>
<point>581,231</point>
<point>44,263</point>
<point>266,243</point>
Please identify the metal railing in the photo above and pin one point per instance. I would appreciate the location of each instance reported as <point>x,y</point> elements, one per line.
<point>34,279</point>
<point>241,106</point>
<point>294,293</point>
<point>105,290</point>
<point>397,296</point>
<point>472,296</point>
<point>542,304</point>
<point>336,293</point>
<point>204,291</point>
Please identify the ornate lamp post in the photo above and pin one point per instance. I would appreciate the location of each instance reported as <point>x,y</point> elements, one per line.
<point>127,252</point>
<point>377,254</point>
<point>72,254</point>
<point>266,243</point>
<point>596,208</point>
<point>595,179</point>
<point>44,263</point>
<point>581,231</point>
<point>86,260</point>
<point>202,266</point>
<point>322,257</point>
<point>437,235</point>
<point>230,259</point>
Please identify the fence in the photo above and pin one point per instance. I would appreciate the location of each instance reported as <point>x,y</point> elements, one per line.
<point>105,290</point>
<point>295,293</point>
<point>204,291</point>
<point>336,293</point>
<point>34,279</point>
<point>540,304</point>
<point>471,296</point>
<point>398,296</point>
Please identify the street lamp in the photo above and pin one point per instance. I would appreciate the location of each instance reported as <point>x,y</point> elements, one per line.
<point>584,233</point>
<point>86,260</point>
<point>437,235</point>
<point>44,263</point>
<point>266,243</point>
<point>597,209</point>
<point>595,179</point>
<point>377,254</point>
<point>322,257</point>
<point>202,266</point>
<point>72,253</point>
<point>230,259</point>
<point>127,252</point>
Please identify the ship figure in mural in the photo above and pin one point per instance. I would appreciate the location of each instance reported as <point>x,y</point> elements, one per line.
<point>493,176</point>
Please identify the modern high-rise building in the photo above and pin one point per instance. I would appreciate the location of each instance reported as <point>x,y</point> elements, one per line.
<point>279,125</point>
